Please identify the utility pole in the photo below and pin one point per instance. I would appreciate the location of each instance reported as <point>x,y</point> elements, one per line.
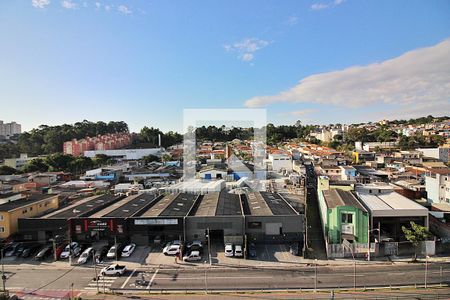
<point>95,269</point>
<point>115,246</point>
<point>315,275</point>
<point>209,247</point>
<point>426,270</point>
<point>3,274</point>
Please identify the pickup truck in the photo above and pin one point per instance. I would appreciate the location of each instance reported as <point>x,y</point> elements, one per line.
<point>113,269</point>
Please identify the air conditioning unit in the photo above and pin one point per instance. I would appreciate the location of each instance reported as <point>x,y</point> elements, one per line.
<point>347,229</point>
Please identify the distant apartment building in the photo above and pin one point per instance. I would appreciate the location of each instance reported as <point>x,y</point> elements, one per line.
<point>360,156</point>
<point>437,185</point>
<point>101,143</point>
<point>9,129</point>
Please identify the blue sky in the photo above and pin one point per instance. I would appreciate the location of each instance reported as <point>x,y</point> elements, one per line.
<point>143,62</point>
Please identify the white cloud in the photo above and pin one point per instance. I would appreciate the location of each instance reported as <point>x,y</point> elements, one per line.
<point>98,5</point>
<point>68,4</point>
<point>108,7</point>
<point>321,5</point>
<point>40,3</point>
<point>246,48</point>
<point>124,9</point>
<point>419,78</point>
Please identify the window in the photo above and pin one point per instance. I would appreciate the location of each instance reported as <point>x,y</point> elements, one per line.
<point>2,229</point>
<point>1,217</point>
<point>24,211</point>
<point>347,218</point>
<point>31,208</point>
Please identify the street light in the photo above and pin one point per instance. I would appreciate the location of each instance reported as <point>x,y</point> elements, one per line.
<point>426,269</point>
<point>3,273</point>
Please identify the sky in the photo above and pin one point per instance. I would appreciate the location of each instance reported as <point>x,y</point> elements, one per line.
<point>144,62</point>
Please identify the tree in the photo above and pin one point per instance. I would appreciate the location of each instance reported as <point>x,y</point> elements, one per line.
<point>7,170</point>
<point>35,165</point>
<point>416,234</point>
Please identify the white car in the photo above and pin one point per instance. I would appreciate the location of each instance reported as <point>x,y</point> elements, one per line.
<point>86,255</point>
<point>238,251</point>
<point>172,249</point>
<point>75,250</point>
<point>113,269</point>
<point>228,249</point>
<point>193,256</point>
<point>112,251</point>
<point>128,250</point>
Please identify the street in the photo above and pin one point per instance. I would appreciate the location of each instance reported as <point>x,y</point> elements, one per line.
<point>58,282</point>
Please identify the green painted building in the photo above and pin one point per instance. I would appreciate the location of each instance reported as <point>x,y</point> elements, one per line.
<point>343,216</point>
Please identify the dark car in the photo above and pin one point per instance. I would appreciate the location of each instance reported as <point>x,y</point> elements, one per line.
<point>11,250</point>
<point>44,253</point>
<point>251,250</point>
<point>100,254</point>
<point>194,246</point>
<point>30,250</point>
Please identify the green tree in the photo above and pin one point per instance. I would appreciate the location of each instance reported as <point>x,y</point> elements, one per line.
<point>415,234</point>
<point>60,162</point>
<point>35,165</point>
<point>7,170</point>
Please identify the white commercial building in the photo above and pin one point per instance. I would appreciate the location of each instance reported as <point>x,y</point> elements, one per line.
<point>437,185</point>
<point>197,187</point>
<point>441,153</point>
<point>128,154</point>
<point>281,162</point>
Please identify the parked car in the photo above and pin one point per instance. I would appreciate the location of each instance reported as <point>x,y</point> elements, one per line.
<point>238,252</point>
<point>228,249</point>
<point>100,254</point>
<point>44,252</point>
<point>195,246</point>
<point>252,250</point>
<point>76,250</point>
<point>11,250</point>
<point>117,248</point>
<point>86,255</point>
<point>192,256</point>
<point>172,248</point>
<point>113,269</point>
<point>22,248</point>
<point>30,250</point>
<point>128,250</point>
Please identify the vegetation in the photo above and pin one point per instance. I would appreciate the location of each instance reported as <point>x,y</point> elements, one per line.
<point>49,139</point>
<point>416,234</point>
<point>6,170</point>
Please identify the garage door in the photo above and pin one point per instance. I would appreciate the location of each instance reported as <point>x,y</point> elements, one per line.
<point>273,228</point>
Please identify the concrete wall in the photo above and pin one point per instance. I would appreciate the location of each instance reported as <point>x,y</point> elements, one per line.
<point>231,226</point>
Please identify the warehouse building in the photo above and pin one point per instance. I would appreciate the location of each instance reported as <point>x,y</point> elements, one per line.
<point>144,218</point>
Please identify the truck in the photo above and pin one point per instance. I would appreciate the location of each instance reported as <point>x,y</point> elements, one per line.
<point>114,269</point>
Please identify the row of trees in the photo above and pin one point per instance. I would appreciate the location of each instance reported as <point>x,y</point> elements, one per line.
<point>59,162</point>
<point>50,139</point>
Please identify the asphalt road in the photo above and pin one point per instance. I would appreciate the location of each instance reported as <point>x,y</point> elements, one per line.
<point>262,279</point>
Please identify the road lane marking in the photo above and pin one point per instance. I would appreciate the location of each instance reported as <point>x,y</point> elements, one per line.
<point>128,279</point>
<point>395,274</point>
<point>153,278</point>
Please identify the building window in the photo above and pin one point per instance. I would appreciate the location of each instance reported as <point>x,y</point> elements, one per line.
<point>24,211</point>
<point>2,229</point>
<point>31,208</point>
<point>347,218</point>
<point>1,217</point>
